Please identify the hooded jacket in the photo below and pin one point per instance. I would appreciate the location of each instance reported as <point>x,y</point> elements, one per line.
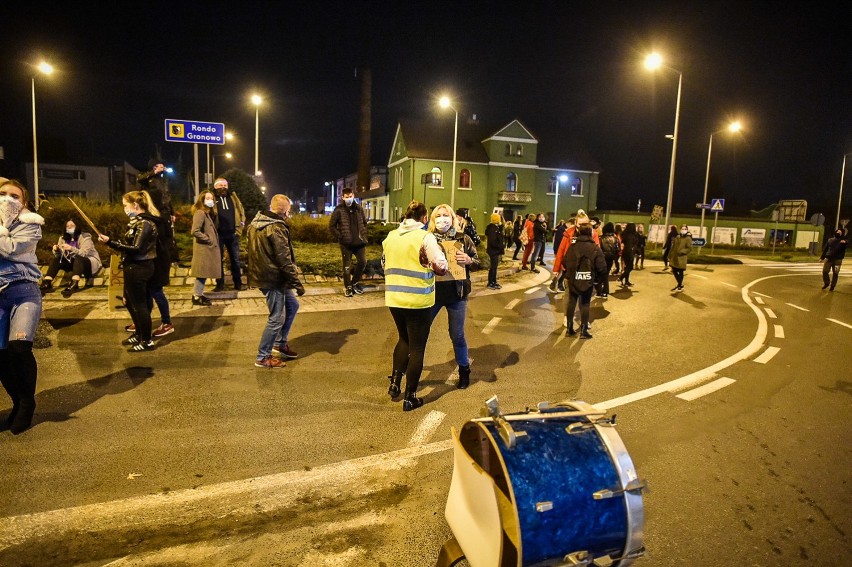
<point>18,261</point>
<point>348,224</point>
<point>271,261</point>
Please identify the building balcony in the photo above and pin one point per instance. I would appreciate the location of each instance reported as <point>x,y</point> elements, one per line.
<point>514,197</point>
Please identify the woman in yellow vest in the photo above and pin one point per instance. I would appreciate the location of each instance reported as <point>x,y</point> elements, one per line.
<point>411,257</point>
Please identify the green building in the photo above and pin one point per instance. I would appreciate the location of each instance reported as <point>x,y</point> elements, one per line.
<point>495,170</point>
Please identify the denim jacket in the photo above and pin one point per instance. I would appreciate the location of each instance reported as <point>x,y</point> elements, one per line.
<point>18,261</point>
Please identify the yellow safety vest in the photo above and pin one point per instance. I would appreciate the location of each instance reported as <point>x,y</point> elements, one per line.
<point>407,283</point>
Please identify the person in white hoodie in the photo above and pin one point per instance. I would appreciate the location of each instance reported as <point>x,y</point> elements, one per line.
<point>20,302</point>
<point>411,257</point>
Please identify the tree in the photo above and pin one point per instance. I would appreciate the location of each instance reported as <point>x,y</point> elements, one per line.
<point>250,195</point>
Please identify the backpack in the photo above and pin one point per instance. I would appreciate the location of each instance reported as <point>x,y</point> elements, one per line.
<point>609,245</point>
<point>582,278</point>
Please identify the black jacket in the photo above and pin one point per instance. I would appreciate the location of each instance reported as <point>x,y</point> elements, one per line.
<point>494,239</point>
<point>271,262</point>
<point>164,243</point>
<point>349,225</point>
<point>835,248</point>
<point>585,246</point>
<point>139,242</point>
<point>539,231</point>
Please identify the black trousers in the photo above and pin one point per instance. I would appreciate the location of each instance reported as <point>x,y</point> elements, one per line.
<point>413,326</point>
<point>80,266</point>
<point>492,269</point>
<point>585,298</point>
<point>136,278</point>
<point>350,276</point>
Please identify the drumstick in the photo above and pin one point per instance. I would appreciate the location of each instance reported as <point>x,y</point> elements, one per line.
<point>85,218</point>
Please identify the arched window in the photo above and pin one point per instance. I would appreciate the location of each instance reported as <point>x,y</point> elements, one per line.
<point>511,182</point>
<point>519,151</point>
<point>577,187</point>
<point>464,178</point>
<point>508,149</point>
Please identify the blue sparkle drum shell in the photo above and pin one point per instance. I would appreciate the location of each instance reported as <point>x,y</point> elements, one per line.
<point>572,485</point>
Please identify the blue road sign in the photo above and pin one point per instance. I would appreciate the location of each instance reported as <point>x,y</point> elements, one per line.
<point>717,205</point>
<point>194,132</point>
<point>699,242</point>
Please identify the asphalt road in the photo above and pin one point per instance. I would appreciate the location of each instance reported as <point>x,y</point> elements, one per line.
<point>732,399</point>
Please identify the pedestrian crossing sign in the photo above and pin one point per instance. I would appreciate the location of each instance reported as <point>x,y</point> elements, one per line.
<point>717,205</point>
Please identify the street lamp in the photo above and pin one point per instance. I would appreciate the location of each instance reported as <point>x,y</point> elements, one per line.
<point>559,178</point>
<point>256,100</point>
<point>226,155</point>
<point>840,196</point>
<point>655,61</point>
<point>732,127</point>
<point>46,69</point>
<point>445,103</point>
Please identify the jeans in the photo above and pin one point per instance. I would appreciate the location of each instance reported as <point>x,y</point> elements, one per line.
<point>413,326</point>
<point>158,295</point>
<point>832,266</point>
<point>455,315</point>
<point>350,278</point>
<point>20,310</point>
<point>232,243</point>
<point>282,305</point>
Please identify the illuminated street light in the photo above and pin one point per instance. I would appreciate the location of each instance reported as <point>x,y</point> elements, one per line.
<point>445,103</point>
<point>256,100</point>
<point>226,155</point>
<point>655,61</point>
<point>559,178</point>
<point>732,127</point>
<point>840,196</point>
<point>46,69</point>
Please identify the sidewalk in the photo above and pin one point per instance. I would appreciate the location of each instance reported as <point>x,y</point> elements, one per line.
<point>92,303</point>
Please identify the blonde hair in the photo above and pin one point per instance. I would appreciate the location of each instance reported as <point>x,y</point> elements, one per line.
<point>449,210</point>
<point>143,199</point>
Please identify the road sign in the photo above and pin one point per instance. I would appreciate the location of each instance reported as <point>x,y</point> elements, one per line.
<point>699,242</point>
<point>717,205</point>
<point>194,132</point>
<point>817,219</point>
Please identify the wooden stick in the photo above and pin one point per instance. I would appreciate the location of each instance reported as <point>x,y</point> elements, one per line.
<point>85,217</point>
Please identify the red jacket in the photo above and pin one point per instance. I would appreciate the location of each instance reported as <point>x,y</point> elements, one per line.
<point>528,226</point>
<point>567,239</point>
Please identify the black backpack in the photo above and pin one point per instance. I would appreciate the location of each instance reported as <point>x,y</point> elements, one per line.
<point>583,278</point>
<point>609,245</point>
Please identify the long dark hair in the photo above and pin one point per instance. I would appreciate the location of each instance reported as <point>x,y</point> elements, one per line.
<point>416,210</point>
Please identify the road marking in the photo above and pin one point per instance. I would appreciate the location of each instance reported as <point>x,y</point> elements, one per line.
<point>797,307</point>
<point>512,303</point>
<point>706,389</point>
<point>532,290</point>
<point>492,324</point>
<point>758,300</point>
<point>767,355</point>
<point>762,295</point>
<point>426,428</point>
<point>694,275</point>
<point>848,326</point>
<point>771,313</point>
<point>779,332</point>
<point>729,285</point>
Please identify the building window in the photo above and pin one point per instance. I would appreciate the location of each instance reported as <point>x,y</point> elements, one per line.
<point>508,149</point>
<point>577,187</point>
<point>68,174</point>
<point>464,179</point>
<point>398,177</point>
<point>519,151</point>
<point>552,184</point>
<point>511,182</point>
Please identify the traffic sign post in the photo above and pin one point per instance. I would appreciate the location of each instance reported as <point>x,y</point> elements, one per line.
<point>699,242</point>
<point>715,206</point>
<point>195,132</point>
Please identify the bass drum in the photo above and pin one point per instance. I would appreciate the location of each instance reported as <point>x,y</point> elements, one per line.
<point>567,491</point>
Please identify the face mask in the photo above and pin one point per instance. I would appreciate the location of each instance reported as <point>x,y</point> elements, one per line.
<point>131,214</point>
<point>683,231</point>
<point>443,224</point>
<point>349,201</point>
<point>9,209</point>
<point>70,232</point>
<point>209,203</point>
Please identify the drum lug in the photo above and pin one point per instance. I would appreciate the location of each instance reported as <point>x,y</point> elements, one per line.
<point>507,433</point>
<point>583,559</point>
<point>636,485</point>
<point>580,427</point>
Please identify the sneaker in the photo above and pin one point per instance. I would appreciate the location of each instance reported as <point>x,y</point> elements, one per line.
<point>142,346</point>
<point>677,288</point>
<point>535,270</point>
<point>201,300</point>
<point>348,292</point>
<point>284,352</point>
<point>131,340</point>
<point>358,288</point>
<point>680,288</point>
<point>270,362</point>
<point>163,330</point>
<point>131,328</point>
<point>585,335</point>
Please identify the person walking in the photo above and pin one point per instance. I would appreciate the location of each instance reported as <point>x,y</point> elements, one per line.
<point>667,247</point>
<point>517,228</point>
<point>616,270</point>
<point>529,231</point>
<point>272,269</point>
<point>74,252</point>
<point>230,220</point>
<point>411,258</point>
<point>494,247</point>
<point>20,302</point>
<point>629,241</point>
<point>540,240</point>
<point>641,241</point>
<point>833,254</point>
<point>680,249</point>
<point>453,287</point>
<point>611,246</point>
<point>586,268</point>
<point>348,225</point>
<point>206,249</point>
<point>138,249</point>
<point>558,233</point>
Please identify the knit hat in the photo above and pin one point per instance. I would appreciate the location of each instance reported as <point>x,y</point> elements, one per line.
<point>495,218</point>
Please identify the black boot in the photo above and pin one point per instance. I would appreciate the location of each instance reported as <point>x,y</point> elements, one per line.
<point>411,402</point>
<point>73,287</point>
<point>9,386</point>
<point>464,377</point>
<point>395,380</point>
<point>23,367</point>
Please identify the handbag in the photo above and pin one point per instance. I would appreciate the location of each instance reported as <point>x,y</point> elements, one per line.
<point>523,237</point>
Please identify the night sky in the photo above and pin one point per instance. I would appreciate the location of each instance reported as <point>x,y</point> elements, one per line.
<point>571,72</point>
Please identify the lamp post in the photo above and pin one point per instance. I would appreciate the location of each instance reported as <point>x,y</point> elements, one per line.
<point>226,155</point>
<point>559,178</point>
<point>445,103</point>
<point>256,100</point>
<point>732,127</point>
<point>652,62</point>
<point>840,196</point>
<point>46,69</point>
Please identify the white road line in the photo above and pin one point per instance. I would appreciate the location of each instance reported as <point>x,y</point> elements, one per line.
<point>847,325</point>
<point>767,355</point>
<point>512,303</point>
<point>492,324</point>
<point>797,307</point>
<point>729,285</point>
<point>706,389</point>
<point>694,275</point>
<point>771,313</point>
<point>758,300</point>
<point>532,290</point>
<point>762,294</point>
<point>779,332</point>
<point>426,428</point>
